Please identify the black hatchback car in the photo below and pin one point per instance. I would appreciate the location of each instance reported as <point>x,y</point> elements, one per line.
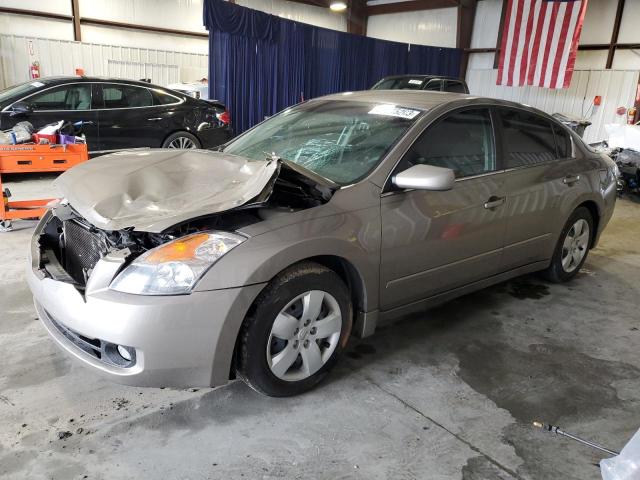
<point>422,82</point>
<point>119,113</point>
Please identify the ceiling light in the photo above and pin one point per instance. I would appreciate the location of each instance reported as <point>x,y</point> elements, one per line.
<point>338,6</point>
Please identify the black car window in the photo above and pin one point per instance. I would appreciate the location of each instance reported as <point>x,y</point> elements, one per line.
<point>454,86</point>
<point>462,141</point>
<point>400,83</point>
<point>65,97</point>
<point>563,141</point>
<point>126,96</point>
<point>16,92</point>
<point>528,137</point>
<point>433,85</point>
<point>163,98</point>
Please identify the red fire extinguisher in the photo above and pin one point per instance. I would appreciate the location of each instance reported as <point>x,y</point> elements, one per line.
<point>34,70</point>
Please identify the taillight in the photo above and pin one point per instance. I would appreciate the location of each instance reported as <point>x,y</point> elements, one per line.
<point>224,117</point>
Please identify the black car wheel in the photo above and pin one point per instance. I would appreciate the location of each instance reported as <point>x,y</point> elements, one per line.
<point>295,331</point>
<point>183,140</point>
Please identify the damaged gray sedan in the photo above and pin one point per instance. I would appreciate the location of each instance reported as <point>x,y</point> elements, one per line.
<point>338,215</point>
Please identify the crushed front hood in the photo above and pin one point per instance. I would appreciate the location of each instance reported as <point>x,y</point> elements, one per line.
<point>152,190</point>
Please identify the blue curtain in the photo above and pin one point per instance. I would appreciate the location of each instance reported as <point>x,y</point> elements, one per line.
<point>260,64</point>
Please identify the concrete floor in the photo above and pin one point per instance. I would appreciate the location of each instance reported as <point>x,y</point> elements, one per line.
<point>449,394</point>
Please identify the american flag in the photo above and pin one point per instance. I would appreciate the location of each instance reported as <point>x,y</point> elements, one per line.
<point>540,41</point>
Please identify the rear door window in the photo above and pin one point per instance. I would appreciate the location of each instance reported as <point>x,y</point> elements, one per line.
<point>126,96</point>
<point>528,138</point>
<point>76,96</point>
<point>462,141</point>
<point>454,86</point>
<point>434,84</point>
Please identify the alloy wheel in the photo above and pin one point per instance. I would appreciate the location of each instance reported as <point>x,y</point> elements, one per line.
<point>182,142</point>
<point>304,335</point>
<point>575,245</point>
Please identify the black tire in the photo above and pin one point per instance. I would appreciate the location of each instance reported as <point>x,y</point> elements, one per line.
<point>255,333</point>
<point>181,135</point>
<point>556,272</point>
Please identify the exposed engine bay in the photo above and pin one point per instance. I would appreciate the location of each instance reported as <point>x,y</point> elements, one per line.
<point>70,246</point>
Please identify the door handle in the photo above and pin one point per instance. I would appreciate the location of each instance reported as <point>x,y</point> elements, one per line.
<point>571,179</point>
<point>154,119</point>
<point>493,202</point>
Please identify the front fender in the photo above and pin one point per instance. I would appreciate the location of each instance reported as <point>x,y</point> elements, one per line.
<point>353,236</point>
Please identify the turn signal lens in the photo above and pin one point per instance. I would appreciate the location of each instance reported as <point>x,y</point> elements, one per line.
<point>178,250</point>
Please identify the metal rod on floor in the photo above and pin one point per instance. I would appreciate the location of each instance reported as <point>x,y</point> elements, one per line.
<point>557,431</point>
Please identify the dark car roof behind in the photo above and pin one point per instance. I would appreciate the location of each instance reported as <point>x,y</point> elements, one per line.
<point>66,79</point>
<point>421,76</point>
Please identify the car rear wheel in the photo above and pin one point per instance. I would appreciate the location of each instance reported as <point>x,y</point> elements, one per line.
<point>572,248</point>
<point>295,331</point>
<point>182,140</point>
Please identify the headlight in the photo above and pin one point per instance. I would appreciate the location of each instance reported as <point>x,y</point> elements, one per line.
<point>616,171</point>
<point>176,266</point>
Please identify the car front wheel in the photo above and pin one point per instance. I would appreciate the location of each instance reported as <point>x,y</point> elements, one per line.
<point>295,331</point>
<point>572,248</point>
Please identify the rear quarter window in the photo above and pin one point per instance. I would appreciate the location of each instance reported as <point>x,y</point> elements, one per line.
<point>163,98</point>
<point>563,142</point>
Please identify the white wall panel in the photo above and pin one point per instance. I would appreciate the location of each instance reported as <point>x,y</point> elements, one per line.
<point>176,14</point>
<point>629,27</point>
<point>59,57</point>
<point>480,61</point>
<point>486,24</point>
<point>598,21</point>
<point>27,25</point>
<point>428,27</point>
<point>160,73</point>
<point>132,38</point>
<point>616,87</point>
<point>320,17</point>
<point>591,59</point>
<point>626,59</point>
<point>50,6</point>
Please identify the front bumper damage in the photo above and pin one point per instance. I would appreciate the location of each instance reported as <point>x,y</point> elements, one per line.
<point>176,341</point>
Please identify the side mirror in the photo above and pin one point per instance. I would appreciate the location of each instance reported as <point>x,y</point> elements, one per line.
<point>20,108</point>
<point>425,177</point>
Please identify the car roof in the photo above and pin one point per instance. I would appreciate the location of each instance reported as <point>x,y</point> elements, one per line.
<point>428,100</point>
<point>50,81</point>
<point>422,76</point>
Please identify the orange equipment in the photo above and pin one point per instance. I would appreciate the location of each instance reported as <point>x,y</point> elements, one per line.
<point>29,158</point>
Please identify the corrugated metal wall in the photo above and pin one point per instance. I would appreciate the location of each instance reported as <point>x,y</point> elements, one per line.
<point>160,74</point>
<point>616,87</point>
<point>435,27</point>
<point>62,57</point>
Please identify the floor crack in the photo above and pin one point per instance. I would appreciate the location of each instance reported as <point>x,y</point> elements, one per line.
<point>490,459</point>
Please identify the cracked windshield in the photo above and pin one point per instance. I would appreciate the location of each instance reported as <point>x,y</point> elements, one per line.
<point>338,140</point>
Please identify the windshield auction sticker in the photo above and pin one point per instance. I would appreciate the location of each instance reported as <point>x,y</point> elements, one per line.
<point>415,81</point>
<point>394,111</point>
